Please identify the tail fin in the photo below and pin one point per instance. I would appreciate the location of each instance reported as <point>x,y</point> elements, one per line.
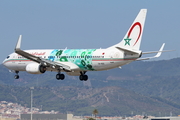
<point>132,39</point>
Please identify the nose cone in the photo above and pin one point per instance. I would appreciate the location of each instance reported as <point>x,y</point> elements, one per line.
<point>5,61</point>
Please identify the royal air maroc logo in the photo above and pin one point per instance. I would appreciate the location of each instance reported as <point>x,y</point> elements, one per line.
<point>128,39</point>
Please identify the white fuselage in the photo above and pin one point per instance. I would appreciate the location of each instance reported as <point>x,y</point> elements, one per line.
<point>77,62</point>
<point>77,59</point>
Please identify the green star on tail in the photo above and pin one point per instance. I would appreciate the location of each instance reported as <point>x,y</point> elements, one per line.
<point>127,41</point>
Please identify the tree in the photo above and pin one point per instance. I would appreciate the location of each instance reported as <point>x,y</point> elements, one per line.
<point>95,112</point>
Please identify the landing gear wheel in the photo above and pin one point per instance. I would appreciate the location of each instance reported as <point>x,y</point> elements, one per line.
<point>16,76</point>
<point>83,77</point>
<point>57,76</point>
<point>60,76</point>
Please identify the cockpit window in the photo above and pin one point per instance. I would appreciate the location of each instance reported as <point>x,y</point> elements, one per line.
<point>8,57</point>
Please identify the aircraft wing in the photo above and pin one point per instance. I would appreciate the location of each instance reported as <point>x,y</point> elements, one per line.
<point>47,63</point>
<point>157,55</point>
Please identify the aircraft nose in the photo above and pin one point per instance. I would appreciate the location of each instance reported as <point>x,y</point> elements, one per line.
<point>5,61</point>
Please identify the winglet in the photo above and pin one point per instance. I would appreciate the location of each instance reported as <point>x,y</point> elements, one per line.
<point>18,45</point>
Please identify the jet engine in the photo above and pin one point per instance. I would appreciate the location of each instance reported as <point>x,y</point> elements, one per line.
<point>35,68</point>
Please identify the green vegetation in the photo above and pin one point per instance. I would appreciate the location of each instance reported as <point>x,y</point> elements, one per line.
<point>95,112</point>
<point>149,87</point>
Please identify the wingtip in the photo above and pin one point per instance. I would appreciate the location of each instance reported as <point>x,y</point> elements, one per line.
<point>18,45</point>
<point>162,47</point>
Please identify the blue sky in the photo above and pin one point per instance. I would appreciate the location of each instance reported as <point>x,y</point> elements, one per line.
<point>49,24</point>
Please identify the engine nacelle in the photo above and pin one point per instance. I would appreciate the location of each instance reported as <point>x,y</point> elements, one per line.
<point>35,68</point>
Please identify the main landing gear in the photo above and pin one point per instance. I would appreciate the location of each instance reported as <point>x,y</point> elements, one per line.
<point>60,76</point>
<point>16,76</point>
<point>83,77</point>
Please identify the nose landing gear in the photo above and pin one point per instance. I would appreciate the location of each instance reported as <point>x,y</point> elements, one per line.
<point>16,76</point>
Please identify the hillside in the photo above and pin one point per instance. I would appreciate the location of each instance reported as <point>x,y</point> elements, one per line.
<point>82,100</point>
<point>150,87</point>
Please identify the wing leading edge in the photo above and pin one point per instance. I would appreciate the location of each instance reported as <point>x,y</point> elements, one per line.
<point>42,61</point>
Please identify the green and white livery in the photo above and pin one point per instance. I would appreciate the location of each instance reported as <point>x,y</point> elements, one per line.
<point>80,57</point>
<point>77,62</point>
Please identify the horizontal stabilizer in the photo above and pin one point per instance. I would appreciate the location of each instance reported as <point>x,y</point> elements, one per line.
<point>156,51</point>
<point>157,55</point>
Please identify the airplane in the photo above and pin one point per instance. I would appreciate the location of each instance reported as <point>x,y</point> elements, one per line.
<point>77,62</point>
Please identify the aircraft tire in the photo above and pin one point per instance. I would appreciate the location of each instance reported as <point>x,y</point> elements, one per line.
<point>60,76</point>
<point>83,77</point>
<point>16,76</point>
